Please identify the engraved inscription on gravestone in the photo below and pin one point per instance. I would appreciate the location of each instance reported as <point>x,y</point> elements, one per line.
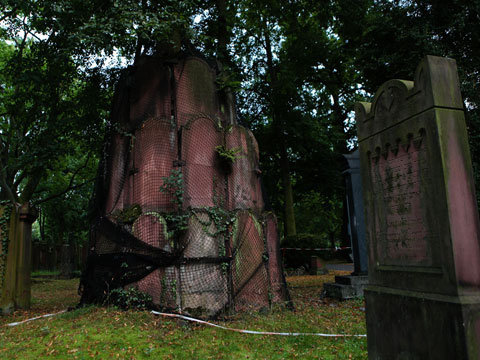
<point>397,174</point>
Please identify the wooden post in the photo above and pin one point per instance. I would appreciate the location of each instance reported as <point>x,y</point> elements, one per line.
<point>16,288</point>
<point>7,300</point>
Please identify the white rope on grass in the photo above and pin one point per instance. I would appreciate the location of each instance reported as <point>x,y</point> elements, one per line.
<point>251,331</point>
<point>36,318</point>
<point>209,324</point>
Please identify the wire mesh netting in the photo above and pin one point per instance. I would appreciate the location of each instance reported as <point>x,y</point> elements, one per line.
<point>179,206</point>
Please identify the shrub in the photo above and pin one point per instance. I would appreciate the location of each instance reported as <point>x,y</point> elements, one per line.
<point>130,298</point>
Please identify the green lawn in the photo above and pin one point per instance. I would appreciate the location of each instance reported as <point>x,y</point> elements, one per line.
<point>106,333</point>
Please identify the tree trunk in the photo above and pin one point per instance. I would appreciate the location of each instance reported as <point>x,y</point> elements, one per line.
<point>290,228</point>
<point>278,124</point>
<point>222,34</point>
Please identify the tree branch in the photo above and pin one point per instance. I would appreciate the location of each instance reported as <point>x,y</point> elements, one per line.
<point>48,198</point>
<point>6,188</point>
<point>70,184</point>
<point>22,176</point>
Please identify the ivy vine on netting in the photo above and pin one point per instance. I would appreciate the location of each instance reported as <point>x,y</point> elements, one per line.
<point>128,215</point>
<point>178,219</point>
<point>222,219</point>
<point>7,207</point>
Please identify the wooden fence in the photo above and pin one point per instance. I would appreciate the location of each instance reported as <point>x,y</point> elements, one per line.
<point>57,257</point>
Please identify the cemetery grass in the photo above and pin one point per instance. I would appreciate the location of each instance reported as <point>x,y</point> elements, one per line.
<point>105,333</point>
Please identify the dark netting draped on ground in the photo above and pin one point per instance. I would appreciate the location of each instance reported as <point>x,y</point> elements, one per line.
<point>179,209</point>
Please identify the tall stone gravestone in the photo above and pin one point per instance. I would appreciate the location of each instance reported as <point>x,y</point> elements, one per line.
<point>351,286</point>
<point>423,297</point>
<point>356,221</point>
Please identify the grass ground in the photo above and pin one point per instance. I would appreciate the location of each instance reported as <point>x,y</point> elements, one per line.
<point>106,333</point>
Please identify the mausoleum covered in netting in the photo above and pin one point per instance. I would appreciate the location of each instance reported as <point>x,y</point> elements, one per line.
<point>178,206</point>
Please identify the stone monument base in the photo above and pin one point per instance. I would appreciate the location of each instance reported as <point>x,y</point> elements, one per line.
<point>346,287</point>
<point>408,325</point>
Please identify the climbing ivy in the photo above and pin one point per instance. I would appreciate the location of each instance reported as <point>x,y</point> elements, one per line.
<point>6,208</point>
<point>170,288</point>
<point>222,220</point>
<point>173,185</point>
<point>168,235</point>
<point>128,215</point>
<point>178,219</point>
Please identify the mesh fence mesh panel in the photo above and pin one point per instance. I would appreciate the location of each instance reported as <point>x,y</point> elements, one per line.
<point>244,190</point>
<point>203,179</point>
<point>214,249</point>
<point>250,283</point>
<point>150,92</point>
<point>154,152</point>
<point>117,170</point>
<point>195,90</point>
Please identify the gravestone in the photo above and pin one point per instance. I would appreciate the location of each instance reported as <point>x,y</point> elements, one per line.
<point>423,298</point>
<point>356,220</point>
<point>351,286</point>
<point>317,266</point>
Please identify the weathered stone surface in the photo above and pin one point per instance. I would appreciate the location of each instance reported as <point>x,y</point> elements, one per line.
<point>346,287</point>
<point>340,291</point>
<point>421,219</point>
<point>354,280</point>
<point>356,220</point>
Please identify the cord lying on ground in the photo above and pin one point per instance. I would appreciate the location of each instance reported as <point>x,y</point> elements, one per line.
<point>183,317</point>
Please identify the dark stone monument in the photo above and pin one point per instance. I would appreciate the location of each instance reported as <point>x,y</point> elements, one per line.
<point>423,297</point>
<point>351,286</point>
<point>356,219</point>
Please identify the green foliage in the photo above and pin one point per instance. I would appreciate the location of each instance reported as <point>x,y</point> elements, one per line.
<point>129,299</point>
<point>45,273</point>
<point>221,218</point>
<point>64,217</point>
<point>173,185</point>
<point>223,221</point>
<point>177,220</point>
<point>229,155</point>
<point>306,240</point>
<point>128,215</point>
<point>321,215</point>
<point>224,80</point>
